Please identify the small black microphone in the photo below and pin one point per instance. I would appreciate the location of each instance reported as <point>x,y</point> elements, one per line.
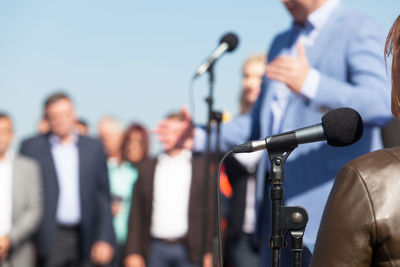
<point>340,127</point>
<point>228,43</point>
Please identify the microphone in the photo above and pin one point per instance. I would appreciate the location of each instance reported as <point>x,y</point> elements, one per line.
<point>228,43</point>
<point>340,127</point>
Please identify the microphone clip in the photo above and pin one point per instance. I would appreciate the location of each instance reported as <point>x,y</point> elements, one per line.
<point>278,155</point>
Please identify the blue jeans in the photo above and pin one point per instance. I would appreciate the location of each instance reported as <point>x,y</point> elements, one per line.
<point>163,254</point>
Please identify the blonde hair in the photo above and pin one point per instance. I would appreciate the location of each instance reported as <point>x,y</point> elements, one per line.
<point>254,58</point>
<point>392,47</point>
<point>245,106</point>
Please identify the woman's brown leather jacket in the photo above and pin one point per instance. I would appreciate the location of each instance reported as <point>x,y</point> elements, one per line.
<point>361,221</point>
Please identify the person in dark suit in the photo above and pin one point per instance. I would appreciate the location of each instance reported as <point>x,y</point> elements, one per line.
<point>167,214</point>
<point>20,202</point>
<point>77,223</point>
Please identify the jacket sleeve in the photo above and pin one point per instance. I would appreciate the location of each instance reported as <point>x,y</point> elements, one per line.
<point>233,133</point>
<point>29,220</point>
<point>348,224</point>
<point>134,242</point>
<point>106,230</point>
<point>366,88</point>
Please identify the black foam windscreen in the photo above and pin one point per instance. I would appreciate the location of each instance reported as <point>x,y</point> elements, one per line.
<point>231,40</point>
<point>343,127</point>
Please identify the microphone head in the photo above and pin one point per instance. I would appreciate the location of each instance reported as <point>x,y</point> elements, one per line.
<point>343,126</point>
<point>231,40</point>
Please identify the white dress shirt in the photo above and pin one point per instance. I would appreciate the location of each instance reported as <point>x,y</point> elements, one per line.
<point>66,161</point>
<point>6,193</point>
<point>172,180</point>
<point>249,219</point>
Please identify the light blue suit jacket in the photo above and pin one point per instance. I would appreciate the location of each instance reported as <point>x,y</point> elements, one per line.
<point>348,53</point>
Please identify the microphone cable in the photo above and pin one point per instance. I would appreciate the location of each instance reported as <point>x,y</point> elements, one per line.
<point>221,261</point>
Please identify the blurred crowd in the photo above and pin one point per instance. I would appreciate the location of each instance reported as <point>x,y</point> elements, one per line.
<point>68,193</point>
<point>74,200</point>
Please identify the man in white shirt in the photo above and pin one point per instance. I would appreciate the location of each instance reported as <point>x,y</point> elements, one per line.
<point>20,201</point>
<point>167,220</point>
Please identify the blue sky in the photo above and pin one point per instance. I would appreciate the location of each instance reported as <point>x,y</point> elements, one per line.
<point>133,59</point>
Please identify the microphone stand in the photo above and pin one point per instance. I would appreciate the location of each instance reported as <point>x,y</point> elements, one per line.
<point>210,167</point>
<point>217,118</point>
<point>210,102</point>
<point>293,219</point>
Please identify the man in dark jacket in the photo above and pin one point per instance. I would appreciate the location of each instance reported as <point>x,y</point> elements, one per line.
<point>77,224</point>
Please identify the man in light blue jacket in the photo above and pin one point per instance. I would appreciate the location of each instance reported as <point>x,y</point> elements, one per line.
<point>330,57</point>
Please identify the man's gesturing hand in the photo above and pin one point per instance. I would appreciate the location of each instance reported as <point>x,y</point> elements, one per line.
<point>290,70</point>
<point>176,133</point>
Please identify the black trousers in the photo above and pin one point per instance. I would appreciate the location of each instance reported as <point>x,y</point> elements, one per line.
<point>65,248</point>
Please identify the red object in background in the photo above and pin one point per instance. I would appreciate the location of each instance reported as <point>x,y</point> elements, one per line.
<point>224,184</point>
